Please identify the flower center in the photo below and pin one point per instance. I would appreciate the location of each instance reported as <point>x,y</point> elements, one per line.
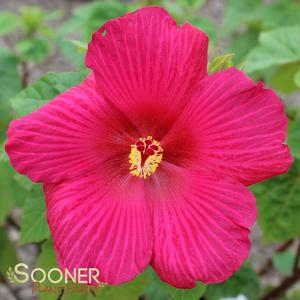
<point>145,156</point>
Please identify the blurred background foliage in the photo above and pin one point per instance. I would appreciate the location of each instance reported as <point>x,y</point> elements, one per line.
<point>260,37</point>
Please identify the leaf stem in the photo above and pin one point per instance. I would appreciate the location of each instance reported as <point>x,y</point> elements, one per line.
<point>269,263</point>
<point>25,74</point>
<point>283,287</point>
<point>297,258</point>
<point>287,282</point>
<point>60,296</point>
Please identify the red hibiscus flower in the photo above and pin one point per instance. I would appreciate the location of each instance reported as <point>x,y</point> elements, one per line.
<point>148,159</point>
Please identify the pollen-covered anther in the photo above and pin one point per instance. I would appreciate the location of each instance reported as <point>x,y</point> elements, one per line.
<point>145,156</point>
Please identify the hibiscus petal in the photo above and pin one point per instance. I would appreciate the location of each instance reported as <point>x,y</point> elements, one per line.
<point>144,59</point>
<point>201,229</point>
<point>67,137</point>
<point>103,223</point>
<point>234,127</point>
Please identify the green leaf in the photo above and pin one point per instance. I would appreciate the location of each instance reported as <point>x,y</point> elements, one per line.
<point>284,262</point>
<point>276,47</point>
<point>11,193</point>
<point>10,84</point>
<point>9,22</point>
<point>47,32</point>
<point>241,12</point>
<point>43,90</point>
<point>294,135</point>
<point>297,78</point>
<point>70,51</point>
<point>206,25</point>
<point>36,50</point>
<point>187,294</point>
<point>281,13</point>
<point>127,291</point>
<point>291,112</point>
<point>81,46</point>
<point>7,191</point>
<point>54,15</point>
<point>86,19</point>
<point>34,226</point>
<point>292,295</point>
<point>159,290</point>
<point>220,63</point>
<point>8,256</point>
<point>242,44</point>
<point>283,78</point>
<point>89,17</point>
<point>244,282</point>
<point>94,14</point>
<point>278,204</point>
<point>174,8</point>
<point>32,18</point>
<point>191,4</point>
<point>155,291</point>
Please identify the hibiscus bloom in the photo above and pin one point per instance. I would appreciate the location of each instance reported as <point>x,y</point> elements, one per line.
<point>147,160</point>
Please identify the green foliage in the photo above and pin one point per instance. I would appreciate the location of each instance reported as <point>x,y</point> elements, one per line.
<point>254,15</point>
<point>220,63</point>
<point>283,78</point>
<point>297,78</point>
<point>158,290</point>
<point>279,206</point>
<point>281,13</point>
<point>241,45</point>
<point>9,85</point>
<point>246,20</point>
<point>85,20</point>
<point>36,49</point>
<point>193,5</point>
<point>244,282</point>
<point>277,47</point>
<point>34,226</point>
<point>33,40</point>
<point>236,12</point>
<point>294,295</point>
<point>89,17</point>
<point>205,25</point>
<point>11,194</point>
<point>6,193</point>
<point>9,22</point>
<point>127,291</point>
<point>284,262</point>
<point>35,44</point>
<point>8,256</point>
<point>45,89</point>
<point>32,18</point>
<point>294,135</point>
<point>81,46</point>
